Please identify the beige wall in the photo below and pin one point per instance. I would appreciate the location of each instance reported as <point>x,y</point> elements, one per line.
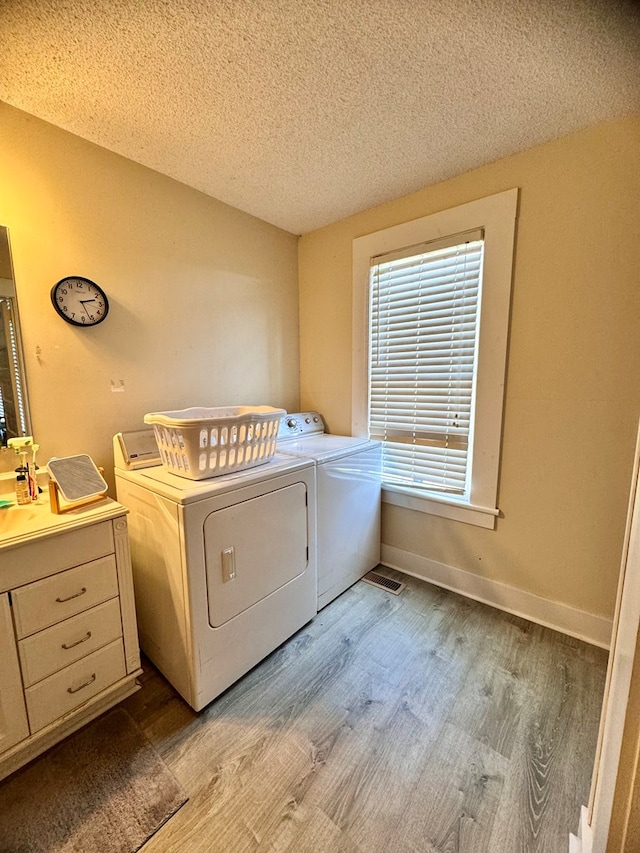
<point>573,383</point>
<point>203,298</point>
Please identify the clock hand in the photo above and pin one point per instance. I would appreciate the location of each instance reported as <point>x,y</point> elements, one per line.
<point>82,302</point>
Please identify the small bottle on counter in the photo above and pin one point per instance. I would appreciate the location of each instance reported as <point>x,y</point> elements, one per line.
<point>22,488</point>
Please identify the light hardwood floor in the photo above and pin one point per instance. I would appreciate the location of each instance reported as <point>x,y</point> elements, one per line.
<point>424,723</point>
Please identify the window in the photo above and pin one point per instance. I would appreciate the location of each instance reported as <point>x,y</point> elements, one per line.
<point>431,308</point>
<point>422,354</point>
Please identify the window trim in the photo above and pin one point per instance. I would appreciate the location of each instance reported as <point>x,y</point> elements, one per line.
<point>496,215</point>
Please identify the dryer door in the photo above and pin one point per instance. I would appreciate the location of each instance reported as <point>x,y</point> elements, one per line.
<point>253,548</point>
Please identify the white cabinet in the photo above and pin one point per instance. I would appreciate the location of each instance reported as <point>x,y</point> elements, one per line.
<point>68,638</point>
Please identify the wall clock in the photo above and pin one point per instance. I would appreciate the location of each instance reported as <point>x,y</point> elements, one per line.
<point>80,301</point>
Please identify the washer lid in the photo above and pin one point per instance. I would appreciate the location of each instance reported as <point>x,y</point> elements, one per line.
<point>185,491</point>
<point>324,447</point>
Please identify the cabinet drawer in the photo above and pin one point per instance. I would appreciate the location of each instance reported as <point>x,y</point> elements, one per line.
<point>54,553</point>
<point>48,601</point>
<point>54,648</point>
<point>56,695</point>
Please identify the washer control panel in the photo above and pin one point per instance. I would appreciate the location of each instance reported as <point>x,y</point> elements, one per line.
<point>296,424</point>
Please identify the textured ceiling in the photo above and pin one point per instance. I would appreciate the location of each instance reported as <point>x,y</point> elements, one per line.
<point>302,112</point>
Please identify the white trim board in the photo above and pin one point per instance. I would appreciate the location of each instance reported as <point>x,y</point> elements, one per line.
<point>619,675</point>
<point>552,614</point>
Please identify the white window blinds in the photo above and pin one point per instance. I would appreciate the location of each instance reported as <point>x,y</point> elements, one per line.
<point>423,344</point>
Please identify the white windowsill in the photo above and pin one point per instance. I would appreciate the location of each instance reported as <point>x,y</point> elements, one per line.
<point>445,507</point>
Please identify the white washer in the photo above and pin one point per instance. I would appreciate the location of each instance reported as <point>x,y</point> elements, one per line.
<point>224,568</point>
<point>348,499</point>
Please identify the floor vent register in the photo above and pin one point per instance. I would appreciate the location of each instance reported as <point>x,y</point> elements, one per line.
<point>375,579</point>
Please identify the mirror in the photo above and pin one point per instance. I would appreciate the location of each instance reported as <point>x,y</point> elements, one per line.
<point>77,477</point>
<point>14,409</point>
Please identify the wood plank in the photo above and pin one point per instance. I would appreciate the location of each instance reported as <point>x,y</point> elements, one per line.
<point>454,804</point>
<point>551,768</point>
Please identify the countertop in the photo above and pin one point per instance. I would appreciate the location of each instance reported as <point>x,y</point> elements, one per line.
<point>19,524</point>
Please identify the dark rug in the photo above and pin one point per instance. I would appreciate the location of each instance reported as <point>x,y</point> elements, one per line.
<point>102,790</point>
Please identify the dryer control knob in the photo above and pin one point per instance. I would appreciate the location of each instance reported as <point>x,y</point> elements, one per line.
<point>291,422</point>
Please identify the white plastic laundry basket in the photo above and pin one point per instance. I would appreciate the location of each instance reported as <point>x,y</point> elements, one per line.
<point>198,443</point>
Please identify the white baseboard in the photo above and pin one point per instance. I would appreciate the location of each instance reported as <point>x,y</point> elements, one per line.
<point>575,844</point>
<point>552,614</point>
<point>583,841</point>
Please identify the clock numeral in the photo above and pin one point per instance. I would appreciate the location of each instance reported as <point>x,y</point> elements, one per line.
<point>64,308</point>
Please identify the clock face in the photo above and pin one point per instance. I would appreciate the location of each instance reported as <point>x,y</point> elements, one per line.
<point>80,301</point>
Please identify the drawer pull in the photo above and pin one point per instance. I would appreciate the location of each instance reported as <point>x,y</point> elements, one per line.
<point>86,684</point>
<point>77,642</point>
<point>75,595</point>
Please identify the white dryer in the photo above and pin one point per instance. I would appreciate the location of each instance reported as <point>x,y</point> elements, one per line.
<point>348,499</point>
<point>224,568</point>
